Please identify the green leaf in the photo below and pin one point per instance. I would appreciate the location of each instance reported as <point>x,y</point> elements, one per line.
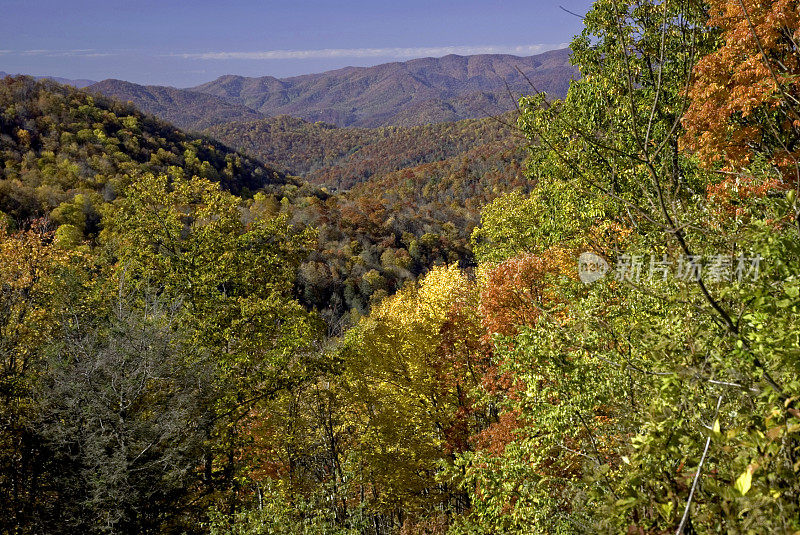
<point>626,503</point>
<point>665,509</point>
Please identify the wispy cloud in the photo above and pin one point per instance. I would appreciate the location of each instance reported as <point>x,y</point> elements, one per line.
<point>85,53</point>
<point>323,53</point>
<point>416,52</point>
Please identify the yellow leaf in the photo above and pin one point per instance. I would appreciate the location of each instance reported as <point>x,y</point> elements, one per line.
<point>744,481</point>
<point>715,429</point>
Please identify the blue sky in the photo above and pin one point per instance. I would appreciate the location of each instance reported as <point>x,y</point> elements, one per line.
<point>184,43</point>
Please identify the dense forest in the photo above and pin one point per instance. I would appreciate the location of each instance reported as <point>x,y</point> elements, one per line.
<point>339,158</point>
<point>580,318</point>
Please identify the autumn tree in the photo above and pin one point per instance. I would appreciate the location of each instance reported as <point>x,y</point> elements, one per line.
<point>745,95</point>
<point>410,376</point>
<point>38,283</point>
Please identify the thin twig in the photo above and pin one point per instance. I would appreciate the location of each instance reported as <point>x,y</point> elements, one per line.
<point>562,8</point>
<point>697,475</point>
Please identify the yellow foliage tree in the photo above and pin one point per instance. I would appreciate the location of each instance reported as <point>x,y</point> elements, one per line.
<point>401,378</point>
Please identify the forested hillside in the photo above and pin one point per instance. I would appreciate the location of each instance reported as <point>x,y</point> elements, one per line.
<point>394,227</point>
<point>591,328</point>
<point>57,141</point>
<point>340,158</point>
<point>69,154</point>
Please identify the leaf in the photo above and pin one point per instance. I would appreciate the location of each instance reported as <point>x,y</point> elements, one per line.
<point>775,432</point>
<point>626,503</point>
<point>744,481</point>
<point>665,509</point>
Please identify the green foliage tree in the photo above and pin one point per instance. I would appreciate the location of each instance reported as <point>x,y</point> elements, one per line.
<point>675,378</point>
<point>235,282</point>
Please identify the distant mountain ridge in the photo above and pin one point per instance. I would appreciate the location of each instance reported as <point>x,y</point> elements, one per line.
<point>412,93</point>
<point>440,89</point>
<point>185,109</point>
<point>79,83</point>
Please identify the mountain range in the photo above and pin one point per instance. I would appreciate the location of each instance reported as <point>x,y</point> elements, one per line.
<point>410,93</point>
<point>397,93</point>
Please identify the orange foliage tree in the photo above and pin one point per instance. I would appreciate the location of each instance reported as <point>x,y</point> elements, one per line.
<point>746,95</point>
<point>516,293</point>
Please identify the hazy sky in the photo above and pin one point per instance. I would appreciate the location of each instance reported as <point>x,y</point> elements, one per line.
<point>184,43</point>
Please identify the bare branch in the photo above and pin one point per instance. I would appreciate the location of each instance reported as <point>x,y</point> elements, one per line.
<point>685,518</point>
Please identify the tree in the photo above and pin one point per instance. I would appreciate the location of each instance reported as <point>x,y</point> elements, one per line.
<point>235,283</point>
<point>745,94</point>
<point>38,282</point>
<point>122,410</point>
<point>409,375</point>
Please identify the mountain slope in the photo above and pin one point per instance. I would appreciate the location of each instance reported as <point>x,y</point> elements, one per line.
<point>442,89</point>
<point>57,141</point>
<point>340,158</point>
<point>400,223</point>
<point>66,154</point>
<point>185,109</point>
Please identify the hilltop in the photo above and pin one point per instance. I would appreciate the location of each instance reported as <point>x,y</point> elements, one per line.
<point>185,109</point>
